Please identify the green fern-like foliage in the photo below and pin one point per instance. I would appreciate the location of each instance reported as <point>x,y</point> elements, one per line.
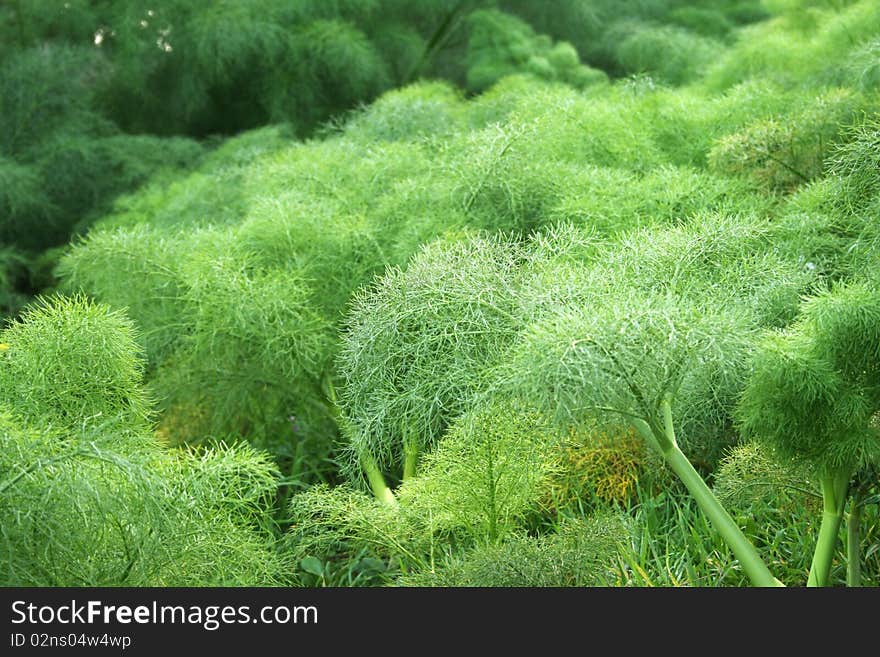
<point>400,276</point>
<point>70,362</point>
<point>61,161</point>
<point>248,371</point>
<point>813,393</point>
<point>587,25</point>
<point>343,66</point>
<point>343,524</point>
<point>669,53</point>
<point>484,475</point>
<point>300,63</point>
<point>653,323</point>
<point>101,507</point>
<point>89,496</point>
<point>582,363</point>
<point>418,344</point>
<point>252,278</point>
<point>854,166</point>
<point>752,474</point>
<point>598,467</point>
<point>862,69</point>
<point>801,43</point>
<point>45,89</point>
<point>24,204</point>
<point>580,553</point>
<point>423,110</point>
<point>707,21</point>
<point>780,153</point>
<point>13,269</point>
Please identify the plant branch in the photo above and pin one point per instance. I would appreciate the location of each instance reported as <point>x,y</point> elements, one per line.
<point>834,494</point>
<point>742,548</point>
<point>853,538</point>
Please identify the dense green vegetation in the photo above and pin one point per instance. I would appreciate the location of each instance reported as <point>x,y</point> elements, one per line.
<point>440,293</point>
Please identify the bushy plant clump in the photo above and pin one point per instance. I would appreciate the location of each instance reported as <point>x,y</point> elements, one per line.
<point>804,43</point>
<point>416,352</point>
<point>301,227</point>
<point>177,69</point>
<point>375,304</point>
<point>812,393</point>
<point>89,496</point>
<point>97,99</point>
<point>481,485</point>
<point>13,274</point>
<point>68,361</point>
<point>61,161</point>
<point>783,152</point>
<point>89,90</point>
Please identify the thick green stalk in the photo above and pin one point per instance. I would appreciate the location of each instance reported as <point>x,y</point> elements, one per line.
<point>374,474</point>
<point>853,538</point>
<point>742,548</point>
<point>410,458</point>
<point>377,482</point>
<point>833,502</point>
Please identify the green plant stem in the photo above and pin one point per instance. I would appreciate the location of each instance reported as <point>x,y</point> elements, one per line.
<point>834,489</point>
<point>447,26</point>
<point>853,538</point>
<point>377,482</point>
<point>742,548</point>
<point>410,458</point>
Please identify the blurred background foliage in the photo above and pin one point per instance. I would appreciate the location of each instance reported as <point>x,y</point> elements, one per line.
<point>98,96</point>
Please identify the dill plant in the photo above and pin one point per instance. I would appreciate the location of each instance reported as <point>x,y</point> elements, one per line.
<point>486,475</point>
<point>420,110</point>
<point>500,44</point>
<point>56,372</point>
<point>792,51</point>
<point>853,164</point>
<point>60,159</point>
<point>99,506</point>
<point>670,53</point>
<point>597,467</point>
<point>579,553</point>
<point>327,215</point>
<point>655,342</point>
<point>838,210</point>
<point>241,274</point>
<point>89,496</point>
<point>783,152</point>
<point>13,269</point>
<point>416,347</point>
<point>291,279</point>
<point>812,396</point>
